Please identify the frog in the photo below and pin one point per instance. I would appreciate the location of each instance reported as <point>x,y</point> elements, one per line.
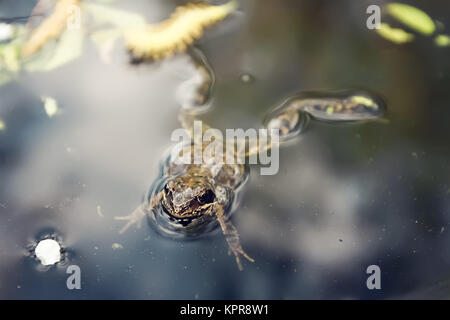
<point>191,199</point>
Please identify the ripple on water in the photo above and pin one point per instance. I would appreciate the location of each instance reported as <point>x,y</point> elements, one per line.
<point>47,249</point>
<point>189,228</point>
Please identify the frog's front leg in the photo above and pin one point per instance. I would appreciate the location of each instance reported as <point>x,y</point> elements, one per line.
<point>139,213</point>
<point>232,236</point>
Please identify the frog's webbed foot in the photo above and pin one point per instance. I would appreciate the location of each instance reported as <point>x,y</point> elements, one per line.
<point>232,236</point>
<point>134,218</point>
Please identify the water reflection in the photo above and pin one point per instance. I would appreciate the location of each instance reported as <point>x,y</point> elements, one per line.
<point>344,199</point>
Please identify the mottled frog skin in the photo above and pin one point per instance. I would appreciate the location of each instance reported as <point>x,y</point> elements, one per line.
<point>293,114</point>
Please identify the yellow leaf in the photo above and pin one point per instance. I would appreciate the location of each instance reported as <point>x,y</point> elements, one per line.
<point>50,28</point>
<point>364,101</point>
<point>412,17</point>
<point>442,40</point>
<point>393,34</point>
<point>175,34</point>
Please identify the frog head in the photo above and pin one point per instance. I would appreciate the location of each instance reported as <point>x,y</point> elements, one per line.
<point>189,196</point>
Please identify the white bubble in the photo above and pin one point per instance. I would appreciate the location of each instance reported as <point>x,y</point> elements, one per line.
<point>48,251</point>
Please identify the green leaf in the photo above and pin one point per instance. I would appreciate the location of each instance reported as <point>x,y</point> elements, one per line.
<point>412,17</point>
<point>395,35</point>
<point>442,40</point>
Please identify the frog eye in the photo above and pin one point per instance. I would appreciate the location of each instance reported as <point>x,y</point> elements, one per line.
<point>206,197</point>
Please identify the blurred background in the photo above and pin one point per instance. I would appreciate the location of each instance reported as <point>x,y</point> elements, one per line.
<point>346,196</point>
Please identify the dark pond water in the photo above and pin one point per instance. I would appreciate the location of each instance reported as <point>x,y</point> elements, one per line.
<point>346,196</point>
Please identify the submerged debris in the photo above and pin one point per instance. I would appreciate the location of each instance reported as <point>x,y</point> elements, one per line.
<point>116,246</point>
<point>50,106</point>
<point>99,211</point>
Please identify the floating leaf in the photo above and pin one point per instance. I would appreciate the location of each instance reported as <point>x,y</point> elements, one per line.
<point>412,17</point>
<point>393,34</point>
<point>50,106</point>
<point>442,40</point>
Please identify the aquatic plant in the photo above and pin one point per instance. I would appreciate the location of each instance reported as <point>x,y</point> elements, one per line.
<point>177,33</point>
